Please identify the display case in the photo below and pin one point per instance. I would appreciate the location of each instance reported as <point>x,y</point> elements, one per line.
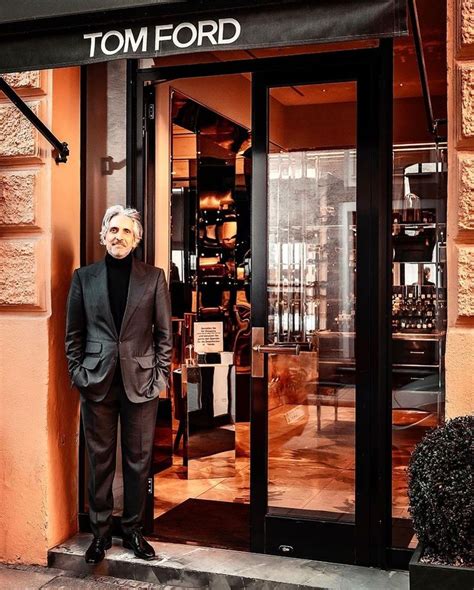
<point>419,289</point>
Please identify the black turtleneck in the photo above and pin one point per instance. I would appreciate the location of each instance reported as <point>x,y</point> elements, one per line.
<point>118,279</point>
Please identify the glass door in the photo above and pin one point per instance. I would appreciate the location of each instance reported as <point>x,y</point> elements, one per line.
<point>313,372</point>
<point>312,245</point>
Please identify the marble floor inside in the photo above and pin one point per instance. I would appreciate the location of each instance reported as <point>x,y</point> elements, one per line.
<point>309,468</point>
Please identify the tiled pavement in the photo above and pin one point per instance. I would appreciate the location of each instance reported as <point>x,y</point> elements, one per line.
<point>36,578</point>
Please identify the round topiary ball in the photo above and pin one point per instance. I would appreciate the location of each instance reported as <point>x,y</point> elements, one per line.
<point>441,492</point>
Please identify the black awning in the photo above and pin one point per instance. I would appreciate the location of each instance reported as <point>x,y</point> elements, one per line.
<point>28,10</point>
<point>171,27</point>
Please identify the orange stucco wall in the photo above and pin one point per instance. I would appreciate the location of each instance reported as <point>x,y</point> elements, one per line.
<point>23,439</point>
<point>63,406</point>
<point>39,411</point>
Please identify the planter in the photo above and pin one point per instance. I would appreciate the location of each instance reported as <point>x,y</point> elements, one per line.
<point>428,576</point>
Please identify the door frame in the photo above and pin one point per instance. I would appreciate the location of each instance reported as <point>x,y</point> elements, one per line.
<point>372,69</point>
<point>364,542</point>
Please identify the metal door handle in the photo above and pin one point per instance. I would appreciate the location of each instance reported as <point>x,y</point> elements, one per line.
<point>292,349</point>
<point>259,349</point>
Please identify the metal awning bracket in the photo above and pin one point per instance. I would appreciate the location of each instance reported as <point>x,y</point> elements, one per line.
<point>61,149</point>
<point>61,156</point>
<point>433,124</point>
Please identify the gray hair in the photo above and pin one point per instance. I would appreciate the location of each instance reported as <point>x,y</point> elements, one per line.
<point>133,214</point>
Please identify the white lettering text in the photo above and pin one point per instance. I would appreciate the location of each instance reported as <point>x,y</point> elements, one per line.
<point>169,38</point>
<point>135,43</point>
<point>92,37</point>
<point>159,37</point>
<point>232,22</point>
<point>209,33</point>
<point>106,37</point>
<point>190,41</point>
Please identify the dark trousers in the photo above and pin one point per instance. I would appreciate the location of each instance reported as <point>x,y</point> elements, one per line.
<point>137,422</point>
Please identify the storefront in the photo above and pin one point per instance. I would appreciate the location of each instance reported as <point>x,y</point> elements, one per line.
<point>290,188</point>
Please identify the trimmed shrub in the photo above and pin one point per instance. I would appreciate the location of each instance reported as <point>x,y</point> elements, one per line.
<point>441,492</point>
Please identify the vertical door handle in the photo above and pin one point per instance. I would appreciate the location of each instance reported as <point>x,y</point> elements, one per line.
<point>258,366</point>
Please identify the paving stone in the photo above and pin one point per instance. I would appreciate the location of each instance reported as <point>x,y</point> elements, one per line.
<point>39,578</point>
<point>21,579</point>
<point>93,583</point>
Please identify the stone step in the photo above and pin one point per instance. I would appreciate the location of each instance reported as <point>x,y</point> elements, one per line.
<point>188,566</point>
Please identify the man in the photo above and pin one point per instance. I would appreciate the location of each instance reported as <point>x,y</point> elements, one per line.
<point>118,346</point>
<point>427,276</point>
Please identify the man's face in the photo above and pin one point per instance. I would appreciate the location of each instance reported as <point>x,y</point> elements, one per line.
<point>120,239</point>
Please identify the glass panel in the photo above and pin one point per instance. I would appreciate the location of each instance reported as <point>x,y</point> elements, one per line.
<point>418,313</point>
<point>311,299</point>
<point>209,239</point>
<point>203,495</point>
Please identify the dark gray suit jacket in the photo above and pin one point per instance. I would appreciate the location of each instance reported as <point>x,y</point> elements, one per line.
<point>144,343</point>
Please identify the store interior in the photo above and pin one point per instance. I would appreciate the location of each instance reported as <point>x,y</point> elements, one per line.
<point>312,248</point>
<point>203,195</point>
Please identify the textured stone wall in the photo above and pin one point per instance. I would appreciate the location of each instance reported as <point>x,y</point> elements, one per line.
<point>24,197</point>
<point>466,192</point>
<point>25,80</point>
<point>17,272</point>
<point>460,337</point>
<point>17,136</point>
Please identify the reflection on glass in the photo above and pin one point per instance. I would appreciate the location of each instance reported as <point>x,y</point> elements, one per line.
<point>209,399</point>
<point>311,301</point>
<point>418,313</point>
<point>209,282</point>
<point>209,245</point>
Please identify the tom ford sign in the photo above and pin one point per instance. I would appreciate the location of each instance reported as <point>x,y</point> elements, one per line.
<point>168,37</point>
<point>263,24</point>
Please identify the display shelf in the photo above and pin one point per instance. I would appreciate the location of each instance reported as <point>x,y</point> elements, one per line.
<point>418,336</point>
<point>311,227</point>
<point>418,224</point>
<point>419,289</point>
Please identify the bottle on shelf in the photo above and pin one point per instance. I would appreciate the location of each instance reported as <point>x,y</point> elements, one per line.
<point>411,208</point>
<point>413,310</point>
<point>427,216</point>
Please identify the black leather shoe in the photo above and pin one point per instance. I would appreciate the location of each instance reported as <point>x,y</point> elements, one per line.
<point>137,542</point>
<point>96,551</point>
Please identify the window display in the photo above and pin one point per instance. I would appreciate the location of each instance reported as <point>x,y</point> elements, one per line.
<point>418,312</point>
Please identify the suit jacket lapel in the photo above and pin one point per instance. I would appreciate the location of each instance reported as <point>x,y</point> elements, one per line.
<point>100,292</point>
<point>136,290</point>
